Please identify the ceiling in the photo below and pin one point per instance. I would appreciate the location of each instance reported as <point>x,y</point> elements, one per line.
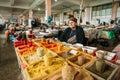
<point>14,8</point>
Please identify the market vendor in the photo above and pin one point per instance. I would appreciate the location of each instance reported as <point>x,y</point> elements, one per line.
<point>11,26</point>
<point>17,27</point>
<point>73,34</point>
<point>112,24</point>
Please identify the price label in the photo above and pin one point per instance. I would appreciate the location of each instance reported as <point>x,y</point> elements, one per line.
<point>74,52</point>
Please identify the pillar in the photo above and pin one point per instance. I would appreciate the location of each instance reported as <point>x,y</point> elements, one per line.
<point>61,17</point>
<point>47,8</point>
<point>114,10</point>
<point>53,18</point>
<point>30,17</point>
<point>23,19</point>
<point>87,14</point>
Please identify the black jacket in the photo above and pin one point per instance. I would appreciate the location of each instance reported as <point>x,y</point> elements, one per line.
<point>79,35</point>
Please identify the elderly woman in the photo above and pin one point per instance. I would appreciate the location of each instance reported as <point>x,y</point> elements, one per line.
<point>73,34</point>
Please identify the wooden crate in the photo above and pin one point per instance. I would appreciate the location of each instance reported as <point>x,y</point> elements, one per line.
<point>43,71</point>
<point>111,68</point>
<point>88,60</point>
<point>38,58</point>
<point>68,53</point>
<point>58,75</point>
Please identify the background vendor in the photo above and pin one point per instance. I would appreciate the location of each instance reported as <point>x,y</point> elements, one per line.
<point>73,34</point>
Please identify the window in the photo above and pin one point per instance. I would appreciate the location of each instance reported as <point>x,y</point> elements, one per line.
<point>102,10</point>
<point>108,11</point>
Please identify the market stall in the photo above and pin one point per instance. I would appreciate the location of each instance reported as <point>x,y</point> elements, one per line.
<point>48,59</point>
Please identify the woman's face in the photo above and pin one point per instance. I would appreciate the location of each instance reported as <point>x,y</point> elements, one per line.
<point>72,24</point>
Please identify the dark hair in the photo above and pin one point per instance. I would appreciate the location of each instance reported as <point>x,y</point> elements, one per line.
<point>104,23</point>
<point>87,22</point>
<point>73,19</point>
<point>112,21</point>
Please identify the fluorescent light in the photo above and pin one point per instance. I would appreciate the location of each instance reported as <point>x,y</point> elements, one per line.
<point>56,0</point>
<point>39,9</point>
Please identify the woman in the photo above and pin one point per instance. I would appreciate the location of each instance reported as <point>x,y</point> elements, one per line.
<point>73,34</point>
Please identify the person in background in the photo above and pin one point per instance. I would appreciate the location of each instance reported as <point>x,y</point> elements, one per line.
<point>6,25</point>
<point>16,28</point>
<point>117,26</point>
<point>88,24</point>
<point>116,29</point>
<point>11,26</point>
<point>104,23</point>
<point>112,24</point>
<point>33,23</point>
<point>73,34</point>
<point>98,21</point>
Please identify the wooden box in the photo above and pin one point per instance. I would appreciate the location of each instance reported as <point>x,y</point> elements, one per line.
<point>69,53</point>
<point>108,74</point>
<point>58,75</point>
<point>38,71</point>
<point>88,59</point>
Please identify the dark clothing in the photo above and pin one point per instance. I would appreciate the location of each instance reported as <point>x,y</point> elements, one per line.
<point>33,23</point>
<point>116,28</point>
<point>72,33</point>
<point>80,36</point>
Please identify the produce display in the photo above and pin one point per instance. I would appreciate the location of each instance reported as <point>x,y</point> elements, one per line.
<point>70,73</point>
<point>101,70</point>
<point>43,68</point>
<point>23,42</point>
<point>37,56</point>
<point>49,44</point>
<point>32,58</point>
<point>59,49</point>
<point>43,42</point>
<point>26,49</point>
<point>45,59</point>
<point>36,40</point>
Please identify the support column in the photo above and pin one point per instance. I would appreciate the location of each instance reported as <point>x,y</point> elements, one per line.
<point>47,9</point>
<point>114,10</point>
<point>81,8</point>
<point>30,17</point>
<point>43,19</point>
<point>61,17</point>
<point>53,18</point>
<point>23,18</point>
<point>87,14</point>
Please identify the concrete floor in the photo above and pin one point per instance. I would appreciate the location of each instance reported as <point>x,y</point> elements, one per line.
<point>9,69</point>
